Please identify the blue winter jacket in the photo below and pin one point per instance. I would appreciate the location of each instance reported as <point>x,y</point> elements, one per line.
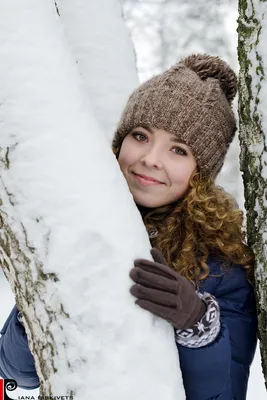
<point>217,371</point>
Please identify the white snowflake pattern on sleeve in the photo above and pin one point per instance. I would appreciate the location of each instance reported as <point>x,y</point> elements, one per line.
<point>206,330</point>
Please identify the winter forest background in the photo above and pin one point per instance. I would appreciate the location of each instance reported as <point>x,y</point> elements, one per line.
<point>163,31</point>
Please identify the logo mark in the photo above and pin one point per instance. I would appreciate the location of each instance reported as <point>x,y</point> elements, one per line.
<point>7,385</point>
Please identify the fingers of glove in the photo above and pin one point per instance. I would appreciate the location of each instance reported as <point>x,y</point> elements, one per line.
<point>158,310</point>
<point>153,295</point>
<point>157,256</point>
<point>149,279</point>
<point>156,268</point>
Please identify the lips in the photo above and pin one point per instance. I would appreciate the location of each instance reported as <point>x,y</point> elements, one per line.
<point>147,180</point>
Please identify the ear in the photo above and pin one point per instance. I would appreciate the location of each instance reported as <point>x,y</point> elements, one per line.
<point>157,256</point>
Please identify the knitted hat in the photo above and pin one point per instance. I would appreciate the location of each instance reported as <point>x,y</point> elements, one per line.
<point>193,100</point>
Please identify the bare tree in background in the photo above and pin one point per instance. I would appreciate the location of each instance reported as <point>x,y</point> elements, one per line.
<point>166,30</point>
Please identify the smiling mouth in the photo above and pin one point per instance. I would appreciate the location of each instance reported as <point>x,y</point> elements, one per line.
<point>147,181</point>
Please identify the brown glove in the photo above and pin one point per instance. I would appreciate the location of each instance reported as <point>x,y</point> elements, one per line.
<point>165,293</point>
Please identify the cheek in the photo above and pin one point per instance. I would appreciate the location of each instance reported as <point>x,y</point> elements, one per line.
<point>127,155</point>
<point>123,160</point>
<point>182,174</point>
<point>122,156</point>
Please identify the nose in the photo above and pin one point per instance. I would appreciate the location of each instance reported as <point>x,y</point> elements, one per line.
<point>151,159</point>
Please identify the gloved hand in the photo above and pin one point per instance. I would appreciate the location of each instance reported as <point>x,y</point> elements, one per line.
<point>165,293</point>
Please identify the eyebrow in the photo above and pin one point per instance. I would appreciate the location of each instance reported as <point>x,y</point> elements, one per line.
<point>148,128</point>
<point>177,140</point>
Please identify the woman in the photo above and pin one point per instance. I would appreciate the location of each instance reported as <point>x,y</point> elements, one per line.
<point>170,144</point>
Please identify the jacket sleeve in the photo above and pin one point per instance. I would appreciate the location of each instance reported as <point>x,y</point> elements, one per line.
<point>220,370</point>
<point>16,360</point>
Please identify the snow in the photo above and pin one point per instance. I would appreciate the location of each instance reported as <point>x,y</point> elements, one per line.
<point>104,96</point>
<point>80,219</point>
<point>93,29</point>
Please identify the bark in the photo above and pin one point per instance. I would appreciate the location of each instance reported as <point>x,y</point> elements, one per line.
<point>253,135</point>
<point>20,261</point>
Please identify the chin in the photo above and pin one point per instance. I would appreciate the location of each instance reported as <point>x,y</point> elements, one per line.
<point>154,204</point>
<point>149,204</point>
<point>150,201</point>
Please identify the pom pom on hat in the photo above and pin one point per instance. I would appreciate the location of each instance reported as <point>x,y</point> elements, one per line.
<point>213,67</point>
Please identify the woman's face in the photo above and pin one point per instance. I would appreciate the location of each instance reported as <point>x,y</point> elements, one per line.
<point>156,166</point>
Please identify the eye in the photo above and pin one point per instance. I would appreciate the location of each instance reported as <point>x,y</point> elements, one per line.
<point>139,136</point>
<point>180,151</point>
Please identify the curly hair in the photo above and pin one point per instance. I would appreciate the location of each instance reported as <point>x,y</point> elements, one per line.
<point>205,222</point>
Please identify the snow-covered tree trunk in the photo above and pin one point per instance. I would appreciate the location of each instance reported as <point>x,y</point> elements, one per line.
<point>108,68</point>
<point>252,53</point>
<point>69,228</point>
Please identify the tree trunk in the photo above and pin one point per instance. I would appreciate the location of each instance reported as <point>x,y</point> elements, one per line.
<point>93,29</point>
<point>69,227</point>
<point>252,31</point>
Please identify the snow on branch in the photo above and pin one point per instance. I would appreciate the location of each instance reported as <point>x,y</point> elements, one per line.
<point>102,46</point>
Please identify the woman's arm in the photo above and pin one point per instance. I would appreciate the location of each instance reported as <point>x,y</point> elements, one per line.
<point>207,370</point>
<point>216,345</point>
<point>16,360</point>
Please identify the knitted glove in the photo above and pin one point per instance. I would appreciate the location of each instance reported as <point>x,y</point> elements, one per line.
<point>165,293</point>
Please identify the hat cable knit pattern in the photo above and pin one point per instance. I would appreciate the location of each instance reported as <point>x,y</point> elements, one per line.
<point>193,100</point>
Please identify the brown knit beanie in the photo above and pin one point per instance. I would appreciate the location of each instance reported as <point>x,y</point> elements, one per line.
<point>193,100</point>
